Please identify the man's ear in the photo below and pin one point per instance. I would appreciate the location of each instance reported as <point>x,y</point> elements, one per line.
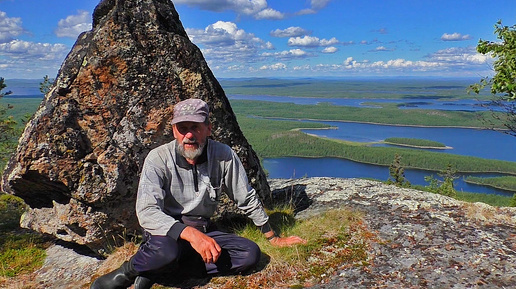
<point>174,131</point>
<point>210,126</point>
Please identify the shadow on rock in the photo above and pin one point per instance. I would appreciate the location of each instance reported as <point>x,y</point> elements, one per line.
<point>294,195</point>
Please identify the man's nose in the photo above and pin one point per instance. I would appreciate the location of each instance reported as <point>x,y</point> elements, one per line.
<point>189,134</point>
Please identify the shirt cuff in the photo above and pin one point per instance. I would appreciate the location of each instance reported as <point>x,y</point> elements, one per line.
<point>176,230</point>
<point>265,227</point>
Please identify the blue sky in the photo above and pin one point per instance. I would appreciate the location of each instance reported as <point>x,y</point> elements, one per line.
<point>278,38</point>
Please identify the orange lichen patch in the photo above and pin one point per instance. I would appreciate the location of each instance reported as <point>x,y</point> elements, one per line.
<point>96,82</point>
<point>158,118</point>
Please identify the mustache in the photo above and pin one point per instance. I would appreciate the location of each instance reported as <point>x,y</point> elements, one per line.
<point>189,141</point>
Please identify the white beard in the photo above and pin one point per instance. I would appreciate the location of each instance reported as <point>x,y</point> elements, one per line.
<point>191,154</point>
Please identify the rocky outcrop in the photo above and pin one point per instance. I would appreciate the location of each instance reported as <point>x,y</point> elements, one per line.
<point>78,161</point>
<point>423,240</point>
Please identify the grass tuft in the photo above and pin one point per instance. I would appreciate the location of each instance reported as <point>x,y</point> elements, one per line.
<point>20,254</point>
<point>335,240</point>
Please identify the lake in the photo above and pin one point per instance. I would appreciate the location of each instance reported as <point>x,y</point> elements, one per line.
<point>486,144</point>
<point>463,141</point>
<point>471,142</point>
<point>295,167</point>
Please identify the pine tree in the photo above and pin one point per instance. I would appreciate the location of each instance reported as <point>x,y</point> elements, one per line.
<point>397,173</point>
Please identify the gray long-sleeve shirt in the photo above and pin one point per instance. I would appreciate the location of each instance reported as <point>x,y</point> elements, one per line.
<point>170,187</point>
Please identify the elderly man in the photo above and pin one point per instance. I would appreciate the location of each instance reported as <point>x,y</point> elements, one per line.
<point>179,189</point>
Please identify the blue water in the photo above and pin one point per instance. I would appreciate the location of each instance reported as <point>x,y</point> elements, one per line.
<point>471,142</point>
<point>295,167</point>
<point>23,88</point>
<point>462,141</point>
<point>486,144</point>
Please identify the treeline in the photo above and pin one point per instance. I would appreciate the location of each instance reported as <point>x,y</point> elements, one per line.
<point>353,88</point>
<point>20,110</point>
<point>388,114</point>
<point>505,183</point>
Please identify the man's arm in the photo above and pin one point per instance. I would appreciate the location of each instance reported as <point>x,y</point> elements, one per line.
<point>245,196</point>
<point>280,241</point>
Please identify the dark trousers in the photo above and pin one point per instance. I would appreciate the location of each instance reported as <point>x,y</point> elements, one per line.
<point>238,255</point>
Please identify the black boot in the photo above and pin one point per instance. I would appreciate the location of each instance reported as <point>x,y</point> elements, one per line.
<point>121,278</point>
<point>143,282</point>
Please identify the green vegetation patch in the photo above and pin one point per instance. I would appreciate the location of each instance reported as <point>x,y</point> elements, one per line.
<point>414,142</point>
<point>490,199</point>
<point>370,88</point>
<point>386,115</point>
<point>505,183</point>
<point>336,239</point>
<point>20,253</point>
<point>21,109</point>
<point>11,209</point>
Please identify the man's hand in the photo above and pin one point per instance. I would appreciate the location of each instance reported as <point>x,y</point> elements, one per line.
<point>287,241</point>
<point>206,246</point>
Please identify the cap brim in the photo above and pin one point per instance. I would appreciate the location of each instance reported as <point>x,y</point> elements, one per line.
<point>192,118</point>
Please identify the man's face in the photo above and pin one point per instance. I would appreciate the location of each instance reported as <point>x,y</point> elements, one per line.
<point>191,137</point>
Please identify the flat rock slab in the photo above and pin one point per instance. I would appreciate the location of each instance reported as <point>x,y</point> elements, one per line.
<point>426,240</point>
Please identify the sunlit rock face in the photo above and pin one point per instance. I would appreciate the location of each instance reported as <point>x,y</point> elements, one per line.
<point>78,162</point>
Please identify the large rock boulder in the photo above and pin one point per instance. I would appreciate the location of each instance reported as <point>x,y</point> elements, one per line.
<point>79,158</point>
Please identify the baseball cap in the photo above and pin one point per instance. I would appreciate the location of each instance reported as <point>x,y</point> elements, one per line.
<point>192,109</point>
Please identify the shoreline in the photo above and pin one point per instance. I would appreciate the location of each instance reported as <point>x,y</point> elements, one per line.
<point>377,123</point>
<point>419,147</point>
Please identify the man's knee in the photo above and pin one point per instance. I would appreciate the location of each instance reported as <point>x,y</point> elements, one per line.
<point>253,256</point>
<point>156,252</point>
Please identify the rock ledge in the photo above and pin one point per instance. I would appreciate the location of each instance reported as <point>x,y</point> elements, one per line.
<point>428,240</point>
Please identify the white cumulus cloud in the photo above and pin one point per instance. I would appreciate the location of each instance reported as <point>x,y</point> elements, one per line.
<point>455,37</point>
<point>74,25</point>
<point>460,56</point>
<point>403,63</point>
<point>258,9</point>
<point>315,5</point>
<point>270,14</point>
<point>311,41</point>
<point>350,63</point>
<point>381,48</point>
<point>319,4</point>
<point>23,59</point>
<point>223,42</point>
<point>331,49</point>
<point>293,31</point>
<point>30,50</point>
<point>276,66</point>
<point>9,27</point>
<point>293,53</point>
